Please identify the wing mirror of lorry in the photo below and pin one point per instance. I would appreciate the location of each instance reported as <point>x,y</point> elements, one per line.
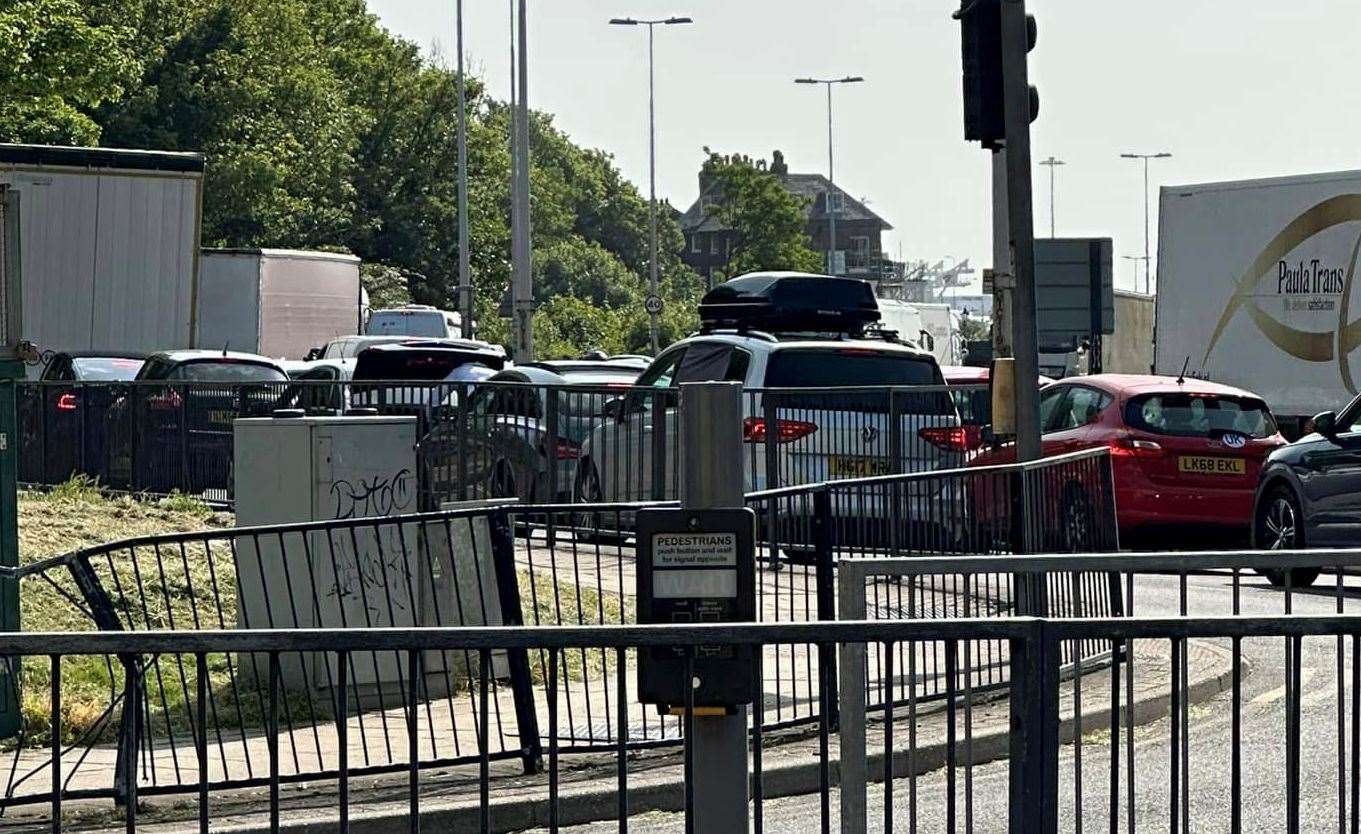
<point>1325,424</point>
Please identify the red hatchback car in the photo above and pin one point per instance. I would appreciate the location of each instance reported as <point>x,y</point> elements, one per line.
<point>1186,453</point>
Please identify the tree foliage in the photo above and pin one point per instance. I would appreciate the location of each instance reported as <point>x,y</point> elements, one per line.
<point>768,222</point>
<point>56,64</point>
<point>323,130</point>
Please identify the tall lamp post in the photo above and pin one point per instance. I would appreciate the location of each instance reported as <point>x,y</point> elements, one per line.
<point>654,296</point>
<point>465,277</point>
<point>1136,259</point>
<point>1051,163</point>
<point>831,179</point>
<point>1148,268</point>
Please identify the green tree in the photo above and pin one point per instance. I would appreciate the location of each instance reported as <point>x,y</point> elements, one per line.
<point>323,130</point>
<point>245,83</point>
<point>56,65</point>
<point>768,223</point>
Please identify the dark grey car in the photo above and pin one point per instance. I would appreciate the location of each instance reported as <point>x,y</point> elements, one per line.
<point>1309,494</point>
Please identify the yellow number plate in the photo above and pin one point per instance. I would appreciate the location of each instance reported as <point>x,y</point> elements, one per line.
<point>1212,466</point>
<point>221,417</point>
<point>856,467</point>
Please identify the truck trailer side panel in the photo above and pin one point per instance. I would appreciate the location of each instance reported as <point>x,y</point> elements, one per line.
<point>229,300</point>
<point>109,246</point>
<point>306,300</point>
<point>1255,287</point>
<point>1129,350</point>
<point>144,276</point>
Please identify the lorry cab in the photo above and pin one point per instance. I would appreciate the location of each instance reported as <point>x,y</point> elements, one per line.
<point>415,320</point>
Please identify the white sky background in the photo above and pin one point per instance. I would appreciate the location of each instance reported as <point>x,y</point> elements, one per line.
<point>1233,88</point>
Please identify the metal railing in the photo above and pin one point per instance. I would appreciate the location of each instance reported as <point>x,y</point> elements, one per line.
<point>166,437</point>
<point>543,566</point>
<point>1045,789</point>
<point>888,680</point>
<point>545,444</point>
<point>542,444</point>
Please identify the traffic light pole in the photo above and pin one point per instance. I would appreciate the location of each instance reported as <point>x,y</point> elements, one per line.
<point>1017,115</point>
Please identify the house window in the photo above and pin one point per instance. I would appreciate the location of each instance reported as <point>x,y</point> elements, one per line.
<point>835,203</point>
<point>714,245</point>
<point>696,246</point>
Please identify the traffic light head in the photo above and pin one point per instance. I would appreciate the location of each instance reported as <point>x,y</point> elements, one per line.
<point>982,42</point>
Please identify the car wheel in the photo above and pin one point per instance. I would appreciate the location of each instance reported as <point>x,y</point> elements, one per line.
<point>1279,526</point>
<point>588,525</point>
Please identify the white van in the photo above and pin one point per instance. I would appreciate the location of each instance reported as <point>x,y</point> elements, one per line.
<point>419,320</point>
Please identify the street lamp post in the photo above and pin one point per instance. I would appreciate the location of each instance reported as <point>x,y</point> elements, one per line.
<point>1135,259</point>
<point>1148,269</point>
<point>831,177</point>
<point>1051,163</point>
<point>653,282</point>
<point>465,278</point>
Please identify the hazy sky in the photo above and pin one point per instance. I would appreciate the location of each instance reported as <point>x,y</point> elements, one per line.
<point>1233,88</point>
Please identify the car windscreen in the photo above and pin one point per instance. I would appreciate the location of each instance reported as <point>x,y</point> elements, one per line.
<point>424,365</point>
<point>856,368</point>
<point>227,370</point>
<point>106,369</point>
<point>410,323</point>
<point>1199,415</point>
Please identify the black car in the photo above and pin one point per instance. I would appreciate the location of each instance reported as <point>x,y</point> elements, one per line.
<point>64,416</point>
<point>1309,494</point>
<point>172,430</point>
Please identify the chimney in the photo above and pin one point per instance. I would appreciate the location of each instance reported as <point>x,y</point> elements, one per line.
<point>777,163</point>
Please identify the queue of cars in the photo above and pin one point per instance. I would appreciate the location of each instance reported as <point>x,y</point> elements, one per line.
<point>1186,454</point>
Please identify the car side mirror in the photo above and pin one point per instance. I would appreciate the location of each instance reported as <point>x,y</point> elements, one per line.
<point>1326,424</point>
<point>613,408</point>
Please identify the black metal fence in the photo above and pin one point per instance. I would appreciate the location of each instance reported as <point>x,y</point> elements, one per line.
<point>541,566</point>
<point>545,444</point>
<point>165,437</point>
<point>1045,790</point>
<point>540,444</point>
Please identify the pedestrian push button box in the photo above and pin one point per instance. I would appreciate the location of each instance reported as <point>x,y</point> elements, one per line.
<point>696,566</point>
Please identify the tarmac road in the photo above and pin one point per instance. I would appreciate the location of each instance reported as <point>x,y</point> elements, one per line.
<point>1263,748</point>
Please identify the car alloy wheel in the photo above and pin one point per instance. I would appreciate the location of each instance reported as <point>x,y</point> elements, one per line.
<point>1280,524</point>
<point>1279,527</point>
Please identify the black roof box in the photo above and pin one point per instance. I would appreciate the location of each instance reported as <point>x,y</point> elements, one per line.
<point>790,302</point>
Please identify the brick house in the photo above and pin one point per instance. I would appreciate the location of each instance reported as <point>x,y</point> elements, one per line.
<point>859,231</point>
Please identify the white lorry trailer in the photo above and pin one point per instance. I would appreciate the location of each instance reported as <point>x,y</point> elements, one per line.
<point>109,243</point>
<point>1255,288</point>
<point>931,327</point>
<point>276,302</point>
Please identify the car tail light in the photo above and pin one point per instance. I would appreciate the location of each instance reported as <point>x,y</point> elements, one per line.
<point>66,402</point>
<point>953,438</point>
<point>168,401</point>
<point>567,450</point>
<point>786,431</point>
<point>1133,447</point>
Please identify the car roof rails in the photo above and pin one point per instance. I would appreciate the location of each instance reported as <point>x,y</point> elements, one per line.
<point>726,329</point>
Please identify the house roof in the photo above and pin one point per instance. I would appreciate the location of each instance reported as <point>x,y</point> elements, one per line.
<point>808,186</point>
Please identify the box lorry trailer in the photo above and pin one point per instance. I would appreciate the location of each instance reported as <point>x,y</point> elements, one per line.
<point>1255,288</point>
<point>277,302</point>
<point>109,243</point>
